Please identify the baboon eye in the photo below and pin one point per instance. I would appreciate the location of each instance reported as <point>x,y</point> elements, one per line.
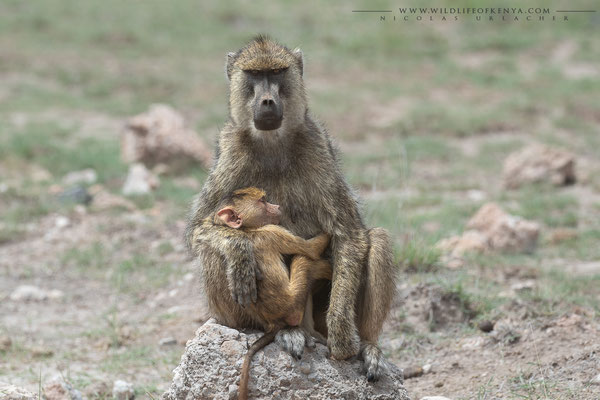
<point>254,72</point>
<point>276,71</point>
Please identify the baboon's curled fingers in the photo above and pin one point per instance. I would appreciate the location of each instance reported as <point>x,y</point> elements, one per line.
<point>292,340</point>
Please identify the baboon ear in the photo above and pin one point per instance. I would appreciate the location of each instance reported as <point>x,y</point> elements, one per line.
<point>230,217</point>
<point>299,59</point>
<point>229,64</point>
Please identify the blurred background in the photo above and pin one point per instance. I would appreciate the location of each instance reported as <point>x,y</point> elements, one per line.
<point>434,118</point>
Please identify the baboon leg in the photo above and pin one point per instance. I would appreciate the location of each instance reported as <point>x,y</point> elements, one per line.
<point>303,272</point>
<point>378,292</point>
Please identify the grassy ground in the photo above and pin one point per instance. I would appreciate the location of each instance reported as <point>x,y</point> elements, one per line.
<point>424,112</point>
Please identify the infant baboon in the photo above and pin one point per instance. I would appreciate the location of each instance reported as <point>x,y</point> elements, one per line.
<point>281,299</point>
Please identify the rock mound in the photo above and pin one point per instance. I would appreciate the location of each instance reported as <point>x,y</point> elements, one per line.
<point>492,229</point>
<point>210,368</point>
<point>12,392</point>
<point>160,136</point>
<point>538,163</point>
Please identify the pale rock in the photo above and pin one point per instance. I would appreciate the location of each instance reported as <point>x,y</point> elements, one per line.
<point>58,390</point>
<point>104,200</point>
<point>123,390</point>
<point>139,181</point>
<point>212,361</point>
<point>86,176</point>
<point>491,229</point>
<point>160,136</point>
<point>61,222</point>
<point>505,232</point>
<point>12,392</point>
<point>34,293</point>
<point>167,341</point>
<point>539,163</point>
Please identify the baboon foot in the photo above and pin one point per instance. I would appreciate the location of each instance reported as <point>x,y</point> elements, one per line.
<point>292,340</point>
<point>373,361</point>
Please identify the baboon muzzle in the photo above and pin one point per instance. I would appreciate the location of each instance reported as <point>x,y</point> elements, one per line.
<point>268,110</point>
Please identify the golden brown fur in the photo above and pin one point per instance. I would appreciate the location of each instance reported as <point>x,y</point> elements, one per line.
<point>281,298</point>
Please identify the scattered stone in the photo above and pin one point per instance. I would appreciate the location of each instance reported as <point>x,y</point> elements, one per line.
<point>98,390</point>
<point>75,194</point>
<point>34,293</point>
<point>104,200</point>
<point>57,390</point>
<point>168,341</point>
<point>476,195</point>
<point>412,372</point>
<point>538,163</point>
<point>139,181</point>
<point>505,232</point>
<point>486,325</point>
<point>12,392</point>
<point>586,268</point>
<point>5,343</point>
<point>470,241</point>
<point>438,384</point>
<point>61,222</point>
<point>523,286</point>
<point>209,369</point>
<point>41,352</point>
<point>492,229</point>
<point>123,390</point>
<point>3,187</point>
<point>595,380</point>
<point>506,334</point>
<point>427,368</point>
<point>160,136</point>
<point>39,174</point>
<point>84,177</point>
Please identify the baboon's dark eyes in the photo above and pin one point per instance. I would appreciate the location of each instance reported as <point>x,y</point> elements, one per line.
<point>276,71</point>
<point>254,71</point>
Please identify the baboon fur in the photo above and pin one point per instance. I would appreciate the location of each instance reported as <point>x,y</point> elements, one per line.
<point>297,165</point>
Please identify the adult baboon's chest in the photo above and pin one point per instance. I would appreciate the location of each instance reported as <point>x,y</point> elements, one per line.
<point>296,197</point>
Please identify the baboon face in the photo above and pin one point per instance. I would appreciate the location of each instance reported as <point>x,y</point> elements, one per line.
<point>248,208</point>
<point>266,87</point>
<point>266,104</point>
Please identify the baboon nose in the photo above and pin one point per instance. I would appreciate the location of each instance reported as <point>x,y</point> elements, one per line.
<point>268,102</point>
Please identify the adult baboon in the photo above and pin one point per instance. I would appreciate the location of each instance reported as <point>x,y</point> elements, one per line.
<point>271,142</point>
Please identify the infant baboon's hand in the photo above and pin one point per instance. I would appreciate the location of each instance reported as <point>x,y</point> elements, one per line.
<point>242,277</point>
<point>319,243</point>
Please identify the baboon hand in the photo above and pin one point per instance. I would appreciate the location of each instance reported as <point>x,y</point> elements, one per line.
<point>242,279</point>
<point>318,245</point>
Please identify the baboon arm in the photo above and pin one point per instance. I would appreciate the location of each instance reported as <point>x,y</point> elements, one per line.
<point>238,252</point>
<point>285,242</point>
<point>349,252</point>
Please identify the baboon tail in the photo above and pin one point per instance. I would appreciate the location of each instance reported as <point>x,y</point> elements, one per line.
<point>256,346</point>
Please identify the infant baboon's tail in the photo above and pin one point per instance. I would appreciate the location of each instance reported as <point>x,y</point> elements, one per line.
<point>256,346</point>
